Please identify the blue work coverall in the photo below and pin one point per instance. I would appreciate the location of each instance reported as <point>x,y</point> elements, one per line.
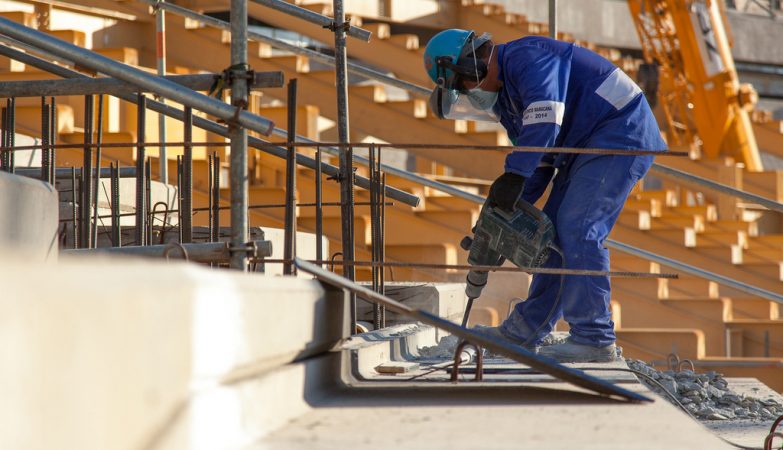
<point>557,94</point>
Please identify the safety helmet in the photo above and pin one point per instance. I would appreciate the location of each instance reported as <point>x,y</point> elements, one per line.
<point>449,56</point>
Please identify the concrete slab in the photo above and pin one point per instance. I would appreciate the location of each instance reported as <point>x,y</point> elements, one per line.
<point>28,217</point>
<point>111,352</point>
<point>750,433</point>
<point>446,300</point>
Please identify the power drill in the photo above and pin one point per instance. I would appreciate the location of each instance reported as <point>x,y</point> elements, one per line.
<point>523,237</point>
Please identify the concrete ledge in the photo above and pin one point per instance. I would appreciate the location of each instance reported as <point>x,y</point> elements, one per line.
<point>446,300</point>
<point>106,353</point>
<point>28,217</point>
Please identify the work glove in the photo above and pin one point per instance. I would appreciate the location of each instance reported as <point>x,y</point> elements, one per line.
<point>505,191</point>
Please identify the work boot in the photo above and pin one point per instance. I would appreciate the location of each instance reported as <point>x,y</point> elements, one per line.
<point>569,351</point>
<point>498,333</point>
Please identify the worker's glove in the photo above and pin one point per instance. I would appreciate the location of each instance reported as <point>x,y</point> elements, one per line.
<point>505,191</point>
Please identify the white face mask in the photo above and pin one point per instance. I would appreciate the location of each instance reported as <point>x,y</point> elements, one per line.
<point>480,98</point>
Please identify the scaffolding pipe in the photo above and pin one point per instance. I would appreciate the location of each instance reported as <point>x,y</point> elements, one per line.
<point>346,153</point>
<point>134,76</point>
<point>30,172</point>
<point>238,177</point>
<point>160,50</point>
<point>553,19</point>
<point>312,54</point>
<point>312,17</point>
<point>717,187</point>
<point>92,86</point>
<point>213,127</point>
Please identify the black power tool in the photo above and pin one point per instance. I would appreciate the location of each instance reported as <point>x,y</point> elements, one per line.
<point>524,237</point>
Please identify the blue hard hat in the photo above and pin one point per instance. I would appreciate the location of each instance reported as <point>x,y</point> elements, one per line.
<point>444,56</point>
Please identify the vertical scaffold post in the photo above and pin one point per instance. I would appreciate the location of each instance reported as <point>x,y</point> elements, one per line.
<point>319,210</point>
<point>74,212</point>
<point>141,184</point>
<point>160,38</point>
<point>216,199</point>
<point>11,133</point>
<point>346,156</point>
<point>187,178</point>
<point>289,250</point>
<point>553,19</point>
<point>86,201</point>
<point>238,135</point>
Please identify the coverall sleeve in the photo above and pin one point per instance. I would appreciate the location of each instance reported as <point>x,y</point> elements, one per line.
<point>536,185</point>
<point>537,82</point>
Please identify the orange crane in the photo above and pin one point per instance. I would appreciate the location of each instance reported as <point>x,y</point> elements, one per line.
<point>705,108</point>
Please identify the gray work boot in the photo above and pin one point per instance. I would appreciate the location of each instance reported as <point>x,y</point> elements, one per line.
<point>570,351</point>
<point>498,333</point>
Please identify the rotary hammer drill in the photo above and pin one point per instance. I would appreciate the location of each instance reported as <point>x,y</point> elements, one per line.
<point>523,236</point>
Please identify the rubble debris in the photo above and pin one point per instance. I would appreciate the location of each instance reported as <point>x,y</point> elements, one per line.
<point>707,395</point>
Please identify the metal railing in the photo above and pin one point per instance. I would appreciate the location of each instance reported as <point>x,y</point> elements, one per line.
<point>313,17</point>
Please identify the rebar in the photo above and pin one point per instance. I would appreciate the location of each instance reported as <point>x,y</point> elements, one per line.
<point>289,238</point>
<point>4,138</point>
<point>45,155</point>
<point>11,135</point>
<point>74,212</point>
<point>179,200</point>
<point>212,252</point>
<point>53,140</point>
<point>187,177</point>
<point>87,174</point>
<point>148,201</point>
<point>96,186</point>
<point>479,376</point>
<point>216,198</point>
<point>141,155</point>
<point>116,230</point>
<point>211,195</point>
<point>220,130</point>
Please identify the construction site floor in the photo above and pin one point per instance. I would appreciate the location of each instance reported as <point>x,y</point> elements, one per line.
<point>511,409</point>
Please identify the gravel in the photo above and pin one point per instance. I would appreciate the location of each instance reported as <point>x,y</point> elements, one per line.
<point>707,395</point>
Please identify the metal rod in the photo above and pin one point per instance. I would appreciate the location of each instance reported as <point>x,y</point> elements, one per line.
<point>553,19</point>
<point>238,177</point>
<point>720,279</point>
<point>346,159</point>
<point>53,140</point>
<point>31,172</point>
<point>4,138</point>
<point>141,212</point>
<point>382,246</point>
<point>210,252</point>
<point>374,213</point>
<point>313,17</point>
<point>289,248</point>
<point>160,53</point>
<point>211,196</point>
<point>11,157</point>
<point>276,43</point>
<point>96,186</point>
<point>187,178</point>
<point>214,127</point>
<point>225,208</point>
<point>90,86</point>
<point>116,225</point>
<point>716,187</point>
<point>137,77</point>
<point>498,346</point>
<point>148,201</point>
<point>485,268</point>
<point>319,212</point>
<point>45,155</point>
<point>74,213</point>
<point>179,199</point>
<point>87,174</point>
<point>216,199</point>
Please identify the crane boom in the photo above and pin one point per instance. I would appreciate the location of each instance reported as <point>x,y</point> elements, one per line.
<point>704,105</point>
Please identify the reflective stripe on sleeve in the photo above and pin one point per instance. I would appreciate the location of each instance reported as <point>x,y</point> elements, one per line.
<point>618,89</point>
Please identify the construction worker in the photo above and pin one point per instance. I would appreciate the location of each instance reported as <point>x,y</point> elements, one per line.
<point>548,93</point>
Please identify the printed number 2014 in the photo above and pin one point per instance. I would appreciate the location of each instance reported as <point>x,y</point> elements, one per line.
<point>541,115</point>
